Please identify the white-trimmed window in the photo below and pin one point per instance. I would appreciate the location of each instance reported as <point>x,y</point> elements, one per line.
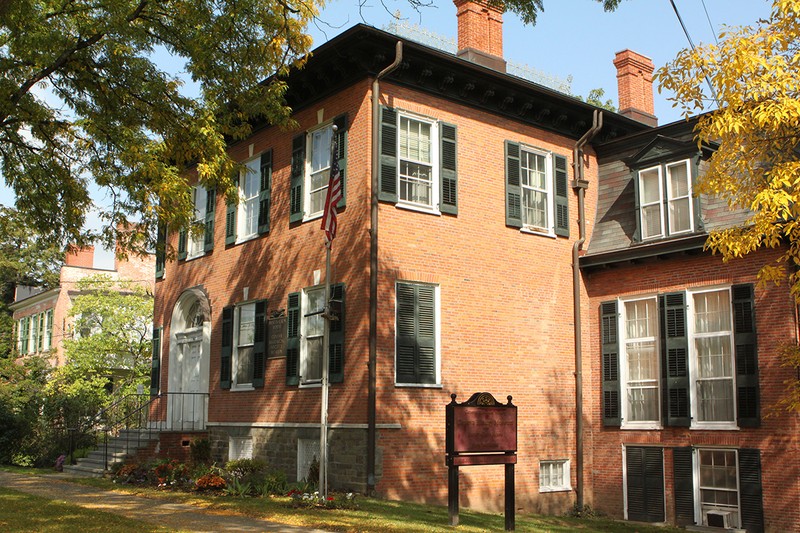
<point>244,345</point>
<point>249,191</point>
<point>665,200</point>
<point>712,361</point>
<point>417,359</point>
<point>196,246</point>
<point>312,336</point>
<point>640,364</point>
<point>717,487</point>
<point>307,455</point>
<point>240,448</point>
<point>418,162</point>
<point>536,181</point>
<point>318,169</point>
<point>554,475</point>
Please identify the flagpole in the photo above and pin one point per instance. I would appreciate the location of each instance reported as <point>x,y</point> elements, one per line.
<point>330,213</point>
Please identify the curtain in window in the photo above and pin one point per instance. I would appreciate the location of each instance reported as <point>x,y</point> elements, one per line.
<point>712,343</point>
<point>641,324</point>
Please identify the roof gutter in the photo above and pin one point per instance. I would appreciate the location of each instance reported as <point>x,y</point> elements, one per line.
<point>373,270</point>
<point>580,184</point>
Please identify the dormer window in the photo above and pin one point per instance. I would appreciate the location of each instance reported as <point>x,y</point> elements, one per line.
<point>665,200</point>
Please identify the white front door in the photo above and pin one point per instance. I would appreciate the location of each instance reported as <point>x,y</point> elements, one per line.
<point>187,403</point>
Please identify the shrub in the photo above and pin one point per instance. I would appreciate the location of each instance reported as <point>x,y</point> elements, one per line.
<point>200,452</point>
<point>210,482</point>
<point>242,468</point>
<point>131,473</point>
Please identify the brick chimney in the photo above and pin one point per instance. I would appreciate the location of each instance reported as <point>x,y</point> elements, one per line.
<point>635,86</point>
<point>79,257</point>
<point>480,33</point>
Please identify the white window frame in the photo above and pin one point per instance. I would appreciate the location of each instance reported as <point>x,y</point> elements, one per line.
<point>305,334</point>
<point>624,374</point>
<point>237,316</point>
<point>549,227</point>
<point>660,203</point>
<point>565,483</point>
<point>307,173</point>
<point>47,343</point>
<point>674,199</point>
<point>195,241</point>
<point>700,509</point>
<point>250,174</point>
<point>435,148</point>
<point>694,371</point>
<point>240,448</point>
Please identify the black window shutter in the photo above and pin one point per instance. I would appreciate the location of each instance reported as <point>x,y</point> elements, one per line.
<point>155,369</point>
<point>637,232</point>
<point>260,344</point>
<point>683,476</point>
<point>230,223</point>
<point>744,336</point>
<point>416,346</point>
<point>208,233</point>
<point>265,194</point>
<point>293,339</point>
<point>341,132</point>
<point>297,177</point>
<point>513,188</point>
<point>448,174</point>
<point>161,250</point>
<point>561,196</point>
<point>336,347</point>
<point>227,348</point>
<point>182,236</point>
<point>750,491</point>
<point>675,358</point>
<point>610,350</point>
<point>388,143</point>
<point>645,483</point>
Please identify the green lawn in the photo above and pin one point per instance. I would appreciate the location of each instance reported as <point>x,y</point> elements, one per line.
<point>375,515</point>
<point>22,512</point>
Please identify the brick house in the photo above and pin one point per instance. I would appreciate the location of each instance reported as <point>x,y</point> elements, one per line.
<point>41,317</point>
<point>476,212</point>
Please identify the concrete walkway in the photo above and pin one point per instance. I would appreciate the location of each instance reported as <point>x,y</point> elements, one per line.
<point>178,516</point>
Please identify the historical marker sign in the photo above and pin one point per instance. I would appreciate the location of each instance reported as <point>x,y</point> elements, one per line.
<point>277,332</point>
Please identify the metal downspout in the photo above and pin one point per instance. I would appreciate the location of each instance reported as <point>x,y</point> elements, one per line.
<point>581,185</point>
<point>373,270</point>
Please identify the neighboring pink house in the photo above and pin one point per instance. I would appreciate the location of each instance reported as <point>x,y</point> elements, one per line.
<point>41,317</point>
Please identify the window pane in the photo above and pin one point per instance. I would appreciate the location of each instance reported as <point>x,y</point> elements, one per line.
<point>651,221</point>
<point>244,365</point>
<point>313,360</point>
<point>640,319</point>
<point>247,324</point>
<point>321,149</point>
<point>679,216</point>
<point>534,206</point>
<point>715,400</point>
<point>678,180</point>
<point>649,186</point>
<point>415,140</point>
<point>712,312</point>
<point>416,183</point>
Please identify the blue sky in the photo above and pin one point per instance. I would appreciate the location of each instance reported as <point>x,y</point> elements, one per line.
<point>572,38</point>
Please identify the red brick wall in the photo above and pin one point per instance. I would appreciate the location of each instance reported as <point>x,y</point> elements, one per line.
<point>778,437</point>
<point>480,26</point>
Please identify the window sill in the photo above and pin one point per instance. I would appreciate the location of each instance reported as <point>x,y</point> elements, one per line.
<point>419,385</point>
<point>193,257</point>
<point>533,231</point>
<point>245,239</point>
<point>725,426</point>
<point>554,489</point>
<point>640,427</point>
<point>242,388</point>
<point>418,208</point>
<point>315,384</point>
<point>312,217</point>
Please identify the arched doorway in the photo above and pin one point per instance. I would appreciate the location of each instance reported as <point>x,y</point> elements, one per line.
<point>189,353</point>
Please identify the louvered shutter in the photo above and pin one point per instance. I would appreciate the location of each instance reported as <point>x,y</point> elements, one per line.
<point>561,196</point>
<point>645,483</point>
<point>513,188</point>
<point>448,174</point>
<point>610,353</point>
<point>208,230</point>
<point>341,124</point>
<point>297,177</point>
<point>226,358</point>
<point>293,339</point>
<point>744,335</point>
<point>161,250</point>
<point>265,194</point>
<point>260,344</point>
<point>230,223</point>
<point>388,159</point>
<point>155,367</point>
<point>750,490</point>
<point>683,476</point>
<point>699,224</point>
<point>675,358</point>
<point>637,207</point>
<point>416,341</point>
<point>182,236</point>
<point>336,343</point>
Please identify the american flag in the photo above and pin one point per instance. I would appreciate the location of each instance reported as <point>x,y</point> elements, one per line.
<point>334,193</point>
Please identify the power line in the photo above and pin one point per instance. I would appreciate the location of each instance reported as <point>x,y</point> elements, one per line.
<point>688,37</point>
<point>710,25</point>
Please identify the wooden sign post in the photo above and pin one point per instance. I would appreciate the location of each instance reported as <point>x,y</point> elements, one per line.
<point>481,431</point>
